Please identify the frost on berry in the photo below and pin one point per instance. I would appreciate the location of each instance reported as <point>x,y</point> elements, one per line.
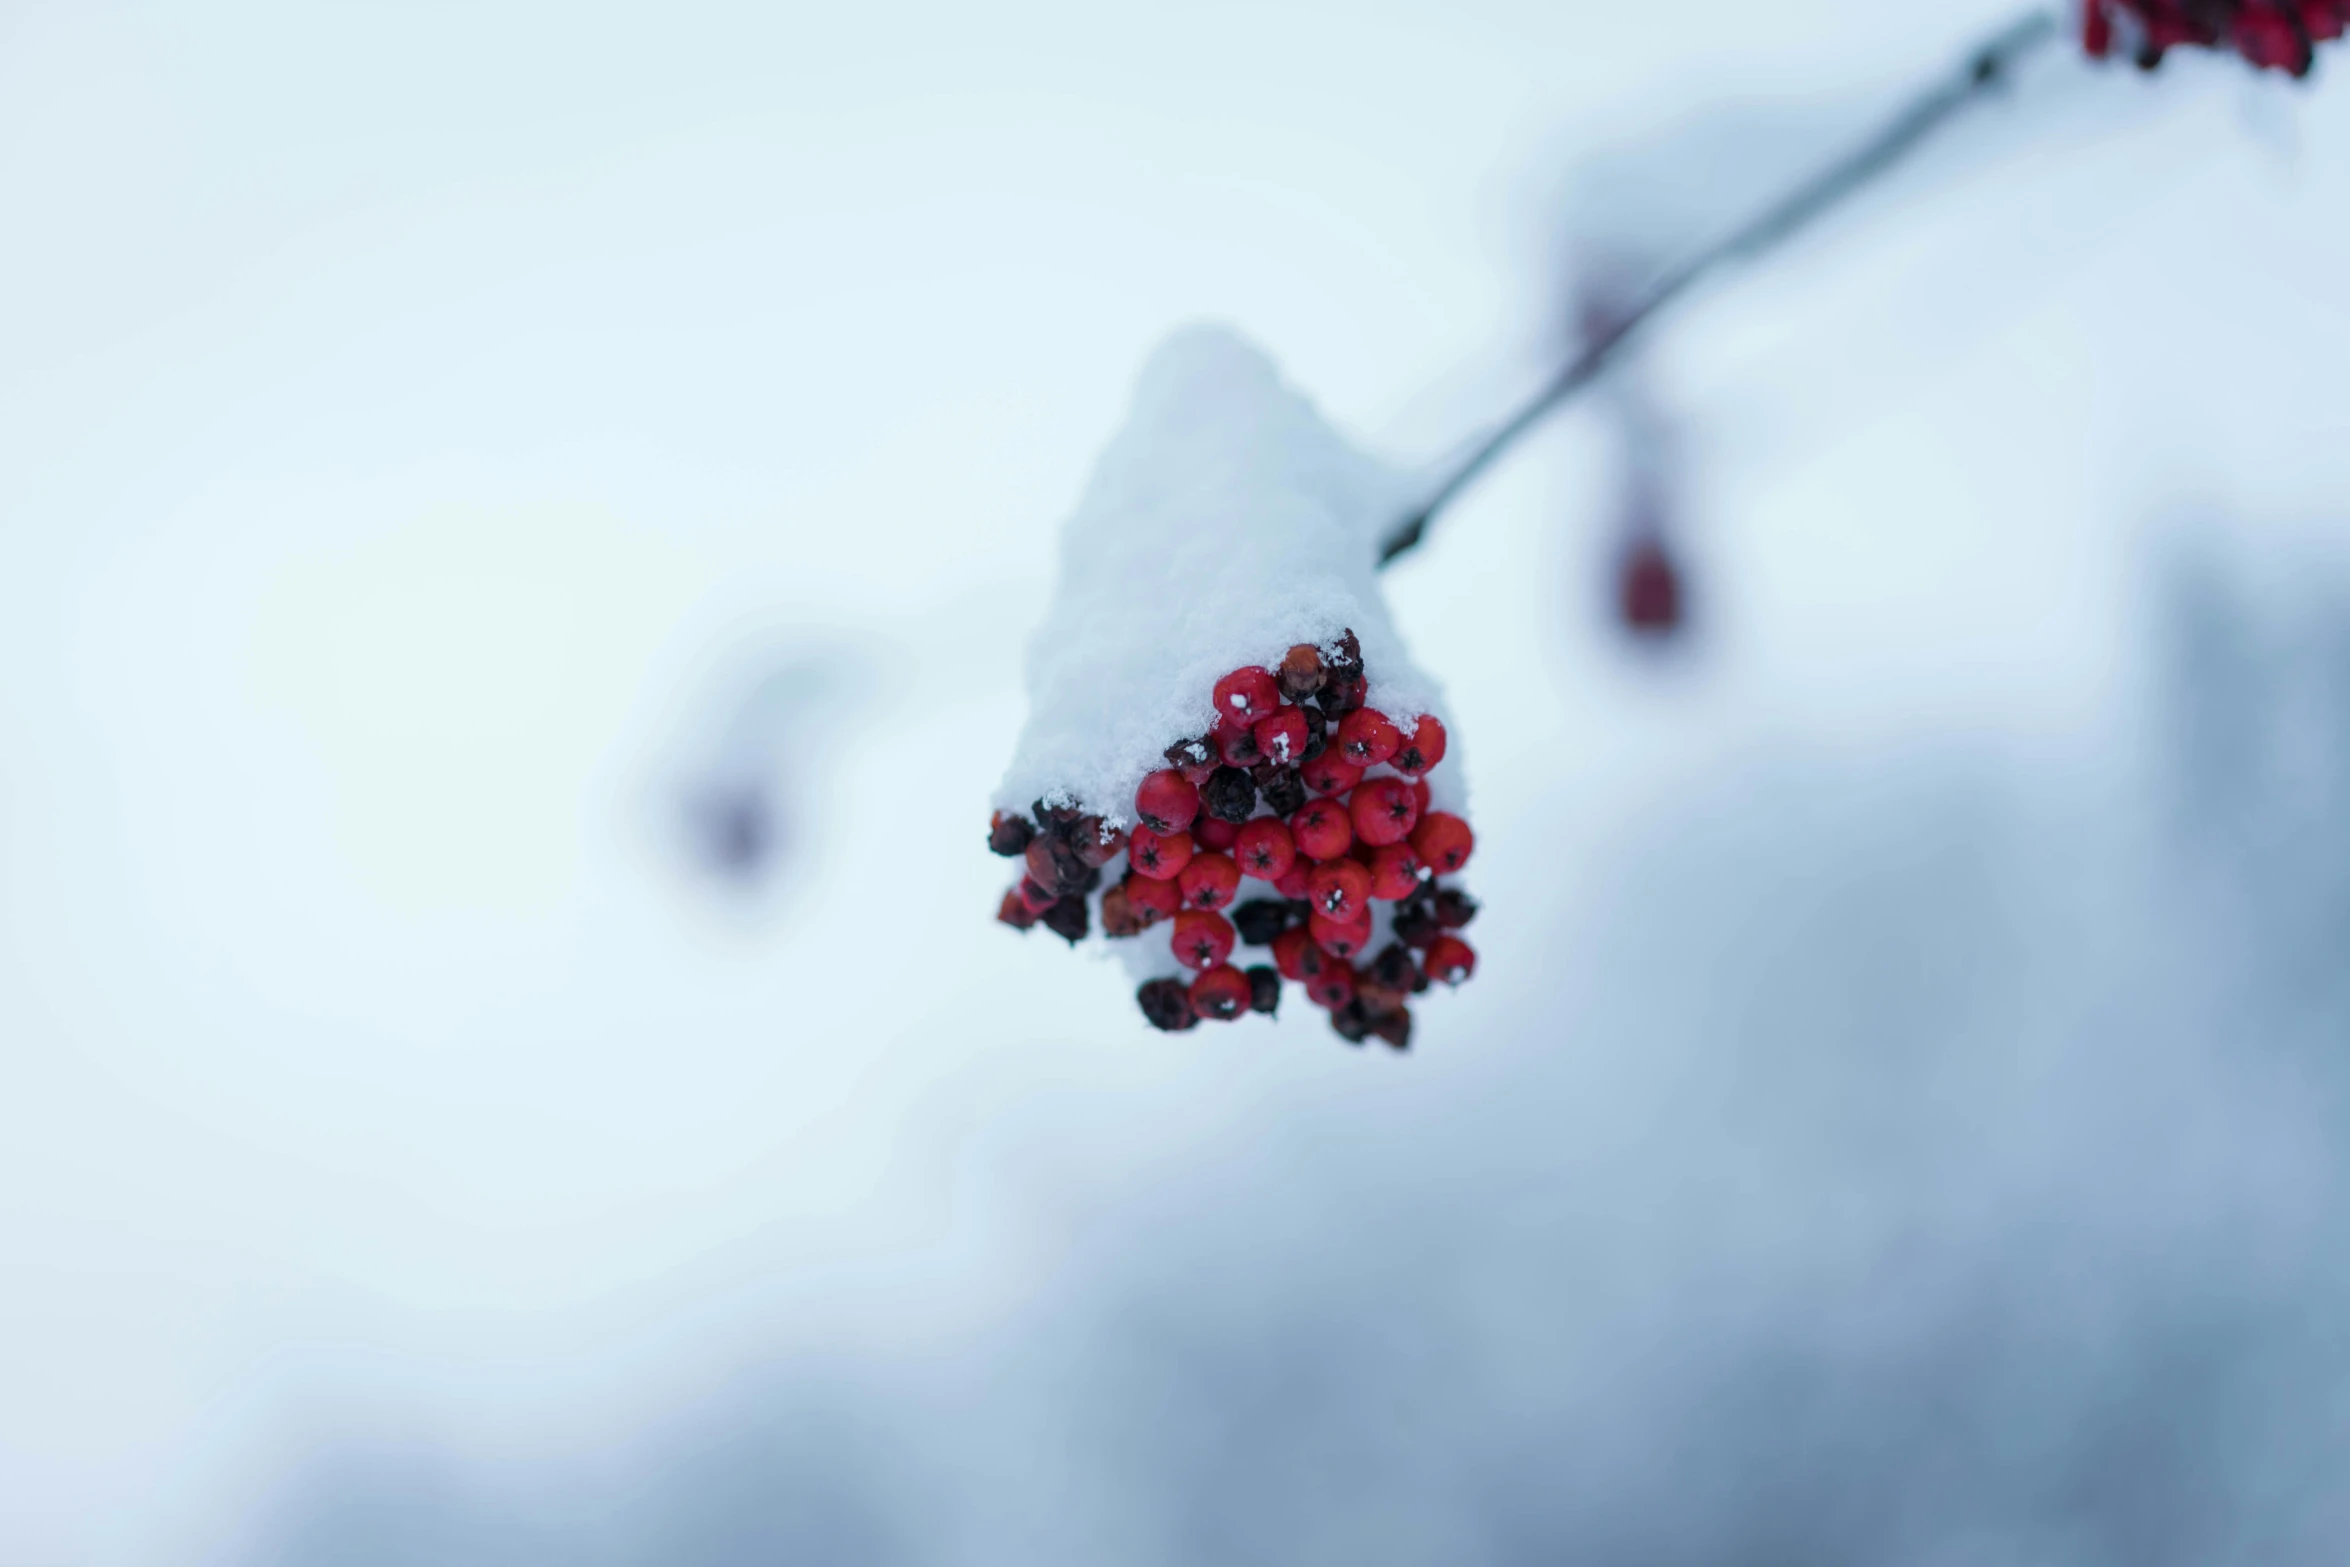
<point>1160,856</point>
<point>1395,872</point>
<point>1450,960</point>
<point>1008,834</point>
<point>1265,850</point>
<point>1321,831</point>
<point>1221,993</point>
<point>1422,749</point>
<point>1167,1003</point>
<point>1264,990</point>
<point>1230,795</point>
<point>1260,920</point>
<point>1193,760</point>
<point>1281,736</point>
<point>1202,939</point>
<point>1367,738</point>
<point>1343,659</point>
<point>1284,792</point>
<point>1443,842</point>
<point>1097,843</point>
<point>1330,773</point>
<point>1246,695</point>
<point>1166,802</point>
<point>1209,882</point>
<point>1384,811</point>
<point>1340,891</point>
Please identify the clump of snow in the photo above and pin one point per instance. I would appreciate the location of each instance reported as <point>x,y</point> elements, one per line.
<point>1224,524</point>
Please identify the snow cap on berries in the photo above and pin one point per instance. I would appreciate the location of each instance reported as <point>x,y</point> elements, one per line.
<point>1226,524</point>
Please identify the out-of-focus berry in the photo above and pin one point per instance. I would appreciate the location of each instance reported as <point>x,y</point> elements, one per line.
<point>1296,956</point>
<point>1264,990</point>
<point>1015,912</point>
<point>1451,960</point>
<point>1167,1003</point>
<point>1333,986</point>
<point>1342,940</point>
<point>1395,872</point>
<point>1038,897</point>
<point>1067,918</point>
<point>1008,835</point>
<point>1443,842</point>
<point>1260,920</point>
<point>1454,908</point>
<point>1221,993</point>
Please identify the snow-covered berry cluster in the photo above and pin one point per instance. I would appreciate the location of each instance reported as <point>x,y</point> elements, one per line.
<point>1300,786</point>
<point>2278,35</point>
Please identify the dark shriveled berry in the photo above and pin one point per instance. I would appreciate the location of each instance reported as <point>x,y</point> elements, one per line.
<point>1097,843</point>
<point>1300,673</point>
<point>1008,835</point>
<point>1015,912</point>
<point>1120,918</point>
<point>1393,968</point>
<point>1054,818</point>
<point>1344,660</point>
<point>1349,1023</point>
<point>1067,919</point>
<point>1259,920</point>
<point>1454,908</point>
<point>1230,795</point>
<point>1395,1027</point>
<point>1283,790</point>
<point>1167,1003</point>
<point>1317,733</point>
<point>1416,927</point>
<point>1264,990</point>
<point>1342,696</point>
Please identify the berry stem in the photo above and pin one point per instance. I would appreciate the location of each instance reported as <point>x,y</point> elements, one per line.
<point>1986,69</point>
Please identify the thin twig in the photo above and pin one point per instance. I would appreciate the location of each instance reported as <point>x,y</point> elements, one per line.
<point>1986,68</point>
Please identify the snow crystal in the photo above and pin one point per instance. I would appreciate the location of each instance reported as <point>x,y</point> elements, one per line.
<point>1224,524</point>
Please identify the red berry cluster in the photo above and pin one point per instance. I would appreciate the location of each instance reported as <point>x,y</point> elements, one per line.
<point>2276,35</point>
<point>1298,785</point>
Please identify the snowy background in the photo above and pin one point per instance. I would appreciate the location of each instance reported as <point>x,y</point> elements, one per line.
<point>1902,1116</point>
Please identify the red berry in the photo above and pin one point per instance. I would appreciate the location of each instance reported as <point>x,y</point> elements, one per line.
<point>1209,881</point>
<point>1237,744</point>
<point>1281,735</point>
<point>1420,794</point>
<point>1152,900</point>
<point>1342,939</point>
<point>1422,749</point>
<point>1291,884</point>
<point>1341,891</point>
<point>1443,841</point>
<point>1384,811</point>
<point>1450,959</point>
<point>1160,856</point>
<point>1322,831</point>
<point>1015,912</point>
<point>1296,956</point>
<point>1333,987</point>
<point>1247,695</point>
<point>1202,939</point>
<point>1395,872</point>
<point>1213,832</point>
<point>1330,773</point>
<point>1166,802</point>
<point>1265,849</point>
<point>1221,994</point>
<point>1036,895</point>
<point>1366,738</point>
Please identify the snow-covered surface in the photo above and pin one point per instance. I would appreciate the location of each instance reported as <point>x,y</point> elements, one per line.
<point>1224,524</point>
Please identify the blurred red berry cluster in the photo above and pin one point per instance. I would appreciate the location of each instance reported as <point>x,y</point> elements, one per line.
<point>2276,35</point>
<point>1302,787</point>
